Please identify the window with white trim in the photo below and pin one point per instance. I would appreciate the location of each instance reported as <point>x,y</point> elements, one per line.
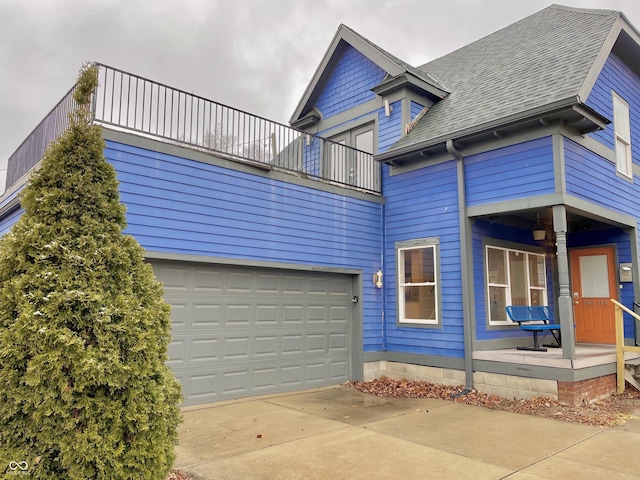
<point>622,129</point>
<point>514,277</point>
<point>418,284</point>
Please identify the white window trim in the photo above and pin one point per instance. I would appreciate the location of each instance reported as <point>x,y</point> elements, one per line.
<point>507,286</point>
<point>415,245</point>
<point>622,137</point>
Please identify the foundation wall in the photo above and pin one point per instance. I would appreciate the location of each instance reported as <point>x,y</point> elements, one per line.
<point>506,386</point>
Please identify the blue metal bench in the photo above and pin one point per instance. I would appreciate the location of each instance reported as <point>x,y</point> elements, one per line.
<point>525,316</point>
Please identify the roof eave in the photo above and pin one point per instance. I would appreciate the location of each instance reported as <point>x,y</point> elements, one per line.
<point>411,82</point>
<point>571,111</point>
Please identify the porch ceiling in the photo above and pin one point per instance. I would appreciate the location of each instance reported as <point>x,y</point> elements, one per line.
<point>577,220</point>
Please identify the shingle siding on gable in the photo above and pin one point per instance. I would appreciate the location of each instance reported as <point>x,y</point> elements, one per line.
<point>349,84</point>
<point>617,77</point>
<point>183,206</point>
<point>517,171</point>
<point>421,204</point>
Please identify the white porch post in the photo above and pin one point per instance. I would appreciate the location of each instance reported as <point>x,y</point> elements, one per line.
<point>565,300</point>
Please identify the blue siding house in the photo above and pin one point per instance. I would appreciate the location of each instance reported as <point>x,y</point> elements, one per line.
<point>387,231</point>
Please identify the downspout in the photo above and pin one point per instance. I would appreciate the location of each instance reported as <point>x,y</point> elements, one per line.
<point>465,267</point>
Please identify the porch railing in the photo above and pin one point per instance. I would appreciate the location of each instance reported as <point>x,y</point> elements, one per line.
<point>128,102</point>
<point>621,348</point>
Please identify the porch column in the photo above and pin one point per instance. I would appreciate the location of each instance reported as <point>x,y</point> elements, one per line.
<point>565,300</point>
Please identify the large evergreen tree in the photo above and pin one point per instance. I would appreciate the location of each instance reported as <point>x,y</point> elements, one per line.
<point>84,389</point>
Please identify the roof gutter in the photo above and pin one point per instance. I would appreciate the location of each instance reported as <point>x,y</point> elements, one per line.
<point>465,263</point>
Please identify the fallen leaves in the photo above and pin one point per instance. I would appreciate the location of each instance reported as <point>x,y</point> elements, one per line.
<point>177,475</point>
<point>611,411</point>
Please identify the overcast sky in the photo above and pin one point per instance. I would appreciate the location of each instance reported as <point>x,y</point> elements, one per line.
<point>256,55</point>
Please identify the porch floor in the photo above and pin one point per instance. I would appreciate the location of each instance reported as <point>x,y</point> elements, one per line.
<point>587,355</point>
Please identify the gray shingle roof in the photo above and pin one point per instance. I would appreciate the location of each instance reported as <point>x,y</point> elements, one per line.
<point>538,61</point>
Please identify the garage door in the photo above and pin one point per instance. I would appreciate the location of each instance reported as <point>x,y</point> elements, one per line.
<point>240,331</point>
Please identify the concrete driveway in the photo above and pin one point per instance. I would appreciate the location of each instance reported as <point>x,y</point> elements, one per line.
<point>340,433</point>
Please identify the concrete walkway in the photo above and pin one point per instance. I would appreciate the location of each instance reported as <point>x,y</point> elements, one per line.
<point>340,433</point>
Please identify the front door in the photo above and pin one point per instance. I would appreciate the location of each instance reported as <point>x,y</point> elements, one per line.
<point>593,279</point>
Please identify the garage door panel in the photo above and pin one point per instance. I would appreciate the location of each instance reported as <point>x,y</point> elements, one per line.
<point>316,343</point>
<point>236,349</point>
<point>266,346</point>
<point>292,344</point>
<point>204,349</point>
<point>317,314</point>
<point>338,315</point>
<point>293,284</point>
<point>292,314</point>
<point>204,314</point>
<point>174,278</point>
<point>242,331</point>
<point>240,282</point>
<point>238,314</point>
<point>179,314</point>
<point>338,370</point>
<point>208,280</point>
<point>266,314</point>
<point>177,352</point>
<point>267,284</point>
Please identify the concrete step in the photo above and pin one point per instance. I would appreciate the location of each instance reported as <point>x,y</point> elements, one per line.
<point>633,381</point>
<point>633,361</point>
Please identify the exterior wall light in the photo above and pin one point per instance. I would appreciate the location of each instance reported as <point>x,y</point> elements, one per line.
<point>377,279</point>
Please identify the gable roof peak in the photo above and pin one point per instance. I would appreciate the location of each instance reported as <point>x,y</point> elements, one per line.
<point>392,65</point>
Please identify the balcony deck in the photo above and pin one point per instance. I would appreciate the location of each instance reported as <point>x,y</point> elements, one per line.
<point>131,103</point>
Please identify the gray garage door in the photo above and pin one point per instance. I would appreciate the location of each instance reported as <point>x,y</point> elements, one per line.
<point>241,331</point>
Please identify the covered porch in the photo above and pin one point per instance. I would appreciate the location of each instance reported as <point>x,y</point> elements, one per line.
<point>591,256</point>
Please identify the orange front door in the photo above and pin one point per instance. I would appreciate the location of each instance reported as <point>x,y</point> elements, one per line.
<point>593,279</point>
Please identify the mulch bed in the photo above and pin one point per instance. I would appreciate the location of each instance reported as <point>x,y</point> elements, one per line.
<point>609,412</point>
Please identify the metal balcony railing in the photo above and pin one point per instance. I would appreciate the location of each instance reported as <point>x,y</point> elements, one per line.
<point>132,103</point>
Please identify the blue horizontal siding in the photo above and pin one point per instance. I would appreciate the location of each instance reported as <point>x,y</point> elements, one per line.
<point>179,205</point>
<point>9,220</point>
<point>592,177</point>
<point>349,83</point>
<point>389,128</point>
<point>517,171</point>
<point>416,108</point>
<point>423,203</point>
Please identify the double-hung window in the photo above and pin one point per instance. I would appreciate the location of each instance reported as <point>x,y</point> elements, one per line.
<point>514,277</point>
<point>418,289</point>
<point>622,128</point>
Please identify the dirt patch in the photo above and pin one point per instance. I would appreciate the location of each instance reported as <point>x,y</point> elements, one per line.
<point>609,412</point>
